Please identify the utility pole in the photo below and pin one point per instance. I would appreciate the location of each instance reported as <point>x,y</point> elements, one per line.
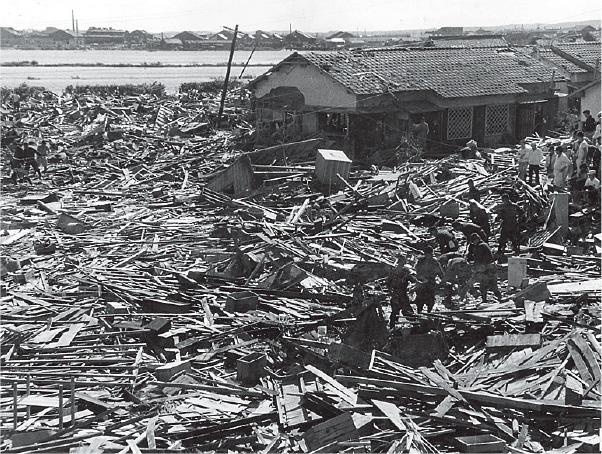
<point>223,100</point>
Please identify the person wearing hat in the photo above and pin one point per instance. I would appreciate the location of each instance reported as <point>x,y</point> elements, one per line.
<point>592,188</point>
<point>445,239</point>
<point>457,275</point>
<point>484,269</point>
<point>561,168</point>
<point>427,270</point>
<point>509,213</point>
<point>397,283</point>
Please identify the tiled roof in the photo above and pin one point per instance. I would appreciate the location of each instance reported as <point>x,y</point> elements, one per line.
<point>560,61</point>
<point>451,73</point>
<point>588,53</point>
<point>471,42</point>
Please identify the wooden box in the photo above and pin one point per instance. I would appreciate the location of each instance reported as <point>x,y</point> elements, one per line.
<point>339,428</point>
<point>329,163</point>
<point>241,302</point>
<point>481,443</point>
<point>250,368</point>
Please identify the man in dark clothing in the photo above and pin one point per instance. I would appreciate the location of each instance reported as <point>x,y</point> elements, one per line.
<point>479,216</point>
<point>457,273</point>
<point>398,282</point>
<point>589,125</point>
<point>509,213</point>
<point>484,269</point>
<point>468,228</point>
<point>473,192</point>
<point>445,240</point>
<point>427,269</point>
<point>30,159</point>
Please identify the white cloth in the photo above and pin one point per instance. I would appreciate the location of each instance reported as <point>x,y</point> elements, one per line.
<point>593,182</point>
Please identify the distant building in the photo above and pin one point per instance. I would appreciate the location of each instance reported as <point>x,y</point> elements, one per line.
<point>467,41</point>
<point>66,39</point>
<point>449,31</point>
<point>300,40</point>
<point>140,38</point>
<point>267,40</point>
<point>171,44</point>
<point>104,36</point>
<point>191,40</point>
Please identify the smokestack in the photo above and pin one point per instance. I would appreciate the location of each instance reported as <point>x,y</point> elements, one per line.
<point>290,28</point>
<point>76,27</point>
<point>72,21</point>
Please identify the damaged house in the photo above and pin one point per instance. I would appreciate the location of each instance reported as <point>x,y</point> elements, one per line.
<point>365,100</point>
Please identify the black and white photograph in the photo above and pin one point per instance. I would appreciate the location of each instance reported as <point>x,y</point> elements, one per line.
<point>345,226</point>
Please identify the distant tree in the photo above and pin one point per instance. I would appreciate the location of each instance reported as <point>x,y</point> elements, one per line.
<point>587,36</point>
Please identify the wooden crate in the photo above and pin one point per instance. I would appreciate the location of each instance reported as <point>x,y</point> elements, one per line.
<point>250,368</point>
<point>329,163</point>
<point>241,302</point>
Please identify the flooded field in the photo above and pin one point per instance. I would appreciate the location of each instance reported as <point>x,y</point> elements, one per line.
<point>56,78</point>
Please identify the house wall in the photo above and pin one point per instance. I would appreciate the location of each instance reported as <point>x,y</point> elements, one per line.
<point>319,89</point>
<point>591,100</point>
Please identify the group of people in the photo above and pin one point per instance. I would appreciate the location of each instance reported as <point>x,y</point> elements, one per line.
<point>25,155</point>
<point>573,166</point>
<point>453,271</point>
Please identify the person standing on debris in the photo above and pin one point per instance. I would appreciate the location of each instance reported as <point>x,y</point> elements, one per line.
<point>523,159</point>
<point>31,152</point>
<point>582,149</point>
<point>560,168</point>
<point>397,283</point>
<point>427,270</point>
<point>445,239</point>
<point>473,192</point>
<point>43,151</point>
<point>597,133</point>
<point>589,125</point>
<point>457,275</point>
<point>17,161</point>
<point>421,131</point>
<point>535,158</point>
<point>592,188</point>
<point>16,99</point>
<point>508,212</point>
<point>484,271</point>
<point>479,216</point>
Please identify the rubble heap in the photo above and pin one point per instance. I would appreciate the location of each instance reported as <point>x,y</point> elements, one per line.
<point>166,291</point>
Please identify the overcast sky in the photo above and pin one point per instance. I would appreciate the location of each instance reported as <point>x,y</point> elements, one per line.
<point>278,15</point>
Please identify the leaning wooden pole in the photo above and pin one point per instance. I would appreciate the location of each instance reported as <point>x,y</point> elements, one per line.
<point>223,100</point>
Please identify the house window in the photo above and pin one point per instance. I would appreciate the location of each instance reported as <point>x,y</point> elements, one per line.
<point>496,120</point>
<point>459,123</point>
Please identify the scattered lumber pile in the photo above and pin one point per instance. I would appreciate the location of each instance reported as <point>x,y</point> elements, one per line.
<point>163,291</point>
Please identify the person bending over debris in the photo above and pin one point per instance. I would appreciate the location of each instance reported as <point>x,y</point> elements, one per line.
<point>479,216</point>
<point>397,283</point>
<point>484,271</point>
<point>509,214</point>
<point>473,192</point>
<point>456,277</point>
<point>31,152</point>
<point>445,239</point>
<point>427,270</point>
<point>468,228</point>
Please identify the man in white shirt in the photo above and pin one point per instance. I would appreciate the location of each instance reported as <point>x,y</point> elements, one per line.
<point>592,188</point>
<point>582,150</point>
<point>562,164</point>
<point>535,158</point>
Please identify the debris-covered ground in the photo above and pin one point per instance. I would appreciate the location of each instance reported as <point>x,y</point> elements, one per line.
<point>166,288</point>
